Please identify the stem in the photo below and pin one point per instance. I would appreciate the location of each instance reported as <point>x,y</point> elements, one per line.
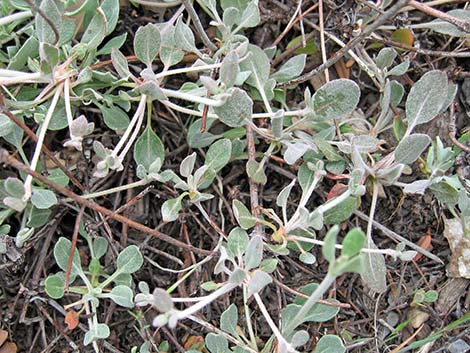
<point>389,252</point>
<point>192,98</point>
<point>272,325</point>
<point>311,301</point>
<point>68,108</point>
<point>134,133</point>
<point>248,319</point>
<point>228,287</point>
<point>41,137</point>
<point>111,191</point>
<point>135,118</point>
<point>21,77</point>
<point>15,17</point>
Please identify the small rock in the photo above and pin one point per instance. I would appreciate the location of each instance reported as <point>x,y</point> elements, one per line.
<point>459,346</point>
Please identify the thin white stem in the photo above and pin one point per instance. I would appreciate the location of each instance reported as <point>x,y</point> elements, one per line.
<point>41,137</point>
<point>226,288</point>
<point>171,105</point>
<point>322,38</point>
<point>68,108</point>
<point>136,131</point>
<point>192,98</point>
<point>389,252</point>
<point>36,77</point>
<point>15,17</point>
<point>188,69</point>
<point>334,202</point>
<point>272,325</point>
<point>135,118</point>
<point>112,190</point>
<point>157,4</point>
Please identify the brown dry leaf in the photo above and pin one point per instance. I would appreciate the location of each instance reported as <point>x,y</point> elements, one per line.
<point>425,243</point>
<point>459,244</point>
<point>403,36</point>
<point>194,342</point>
<point>417,317</point>
<point>3,336</point>
<point>342,69</point>
<point>9,347</point>
<point>72,319</point>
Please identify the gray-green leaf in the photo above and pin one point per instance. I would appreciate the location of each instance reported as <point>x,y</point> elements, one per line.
<point>218,154</point>
<point>330,344</point>
<point>411,147</point>
<point>129,260</point>
<point>147,43</point>
<point>122,296</point>
<point>237,108</point>
<point>148,148</point>
<point>336,99</point>
<point>43,199</point>
<point>243,215</point>
<point>426,98</point>
<point>291,69</point>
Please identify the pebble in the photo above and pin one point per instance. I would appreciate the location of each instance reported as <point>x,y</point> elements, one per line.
<point>459,346</point>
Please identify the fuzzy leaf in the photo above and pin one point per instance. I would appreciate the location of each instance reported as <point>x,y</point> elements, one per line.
<point>148,148</point>
<point>236,109</point>
<point>411,147</point>
<point>426,98</point>
<point>335,100</point>
<point>130,260</point>
<point>147,43</point>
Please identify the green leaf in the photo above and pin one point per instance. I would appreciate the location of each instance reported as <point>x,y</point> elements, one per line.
<point>61,254</point>
<point>237,242</point>
<point>218,154</point>
<point>148,148</point>
<point>216,343</point>
<point>291,69</point>
<point>147,43</point>
<point>229,69</point>
<point>329,243</point>
<point>243,215</point>
<point>30,49</point>
<point>115,118</point>
<point>410,148</point>
<point>58,176</point>
<point>374,273</point>
<point>258,61</point>
<point>254,252</point>
<point>97,331</point>
<point>426,98</point>
<point>170,53</point>
<point>6,125</point>
<point>330,344</point>
<point>229,320</point>
<point>110,9</point>
<point>44,31</point>
<point>250,16</point>
<point>300,338</point>
<point>268,265</point>
<point>54,285</point>
<point>385,58</point>
<point>319,312</point>
<point>96,30</point>
<point>335,100</point>
<point>237,108</point>
<point>100,247</point>
<point>14,187</point>
<point>38,217</point>
<point>114,43</point>
<point>171,208</point>
<point>353,242</point>
<point>184,37</point>
<point>130,260</point>
<point>122,296</point>
<point>187,165</point>
<point>257,282</point>
<point>341,212</point>
<point>283,196</point>
<point>256,172</point>
<point>43,199</point>
<point>120,63</point>
<point>444,27</point>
